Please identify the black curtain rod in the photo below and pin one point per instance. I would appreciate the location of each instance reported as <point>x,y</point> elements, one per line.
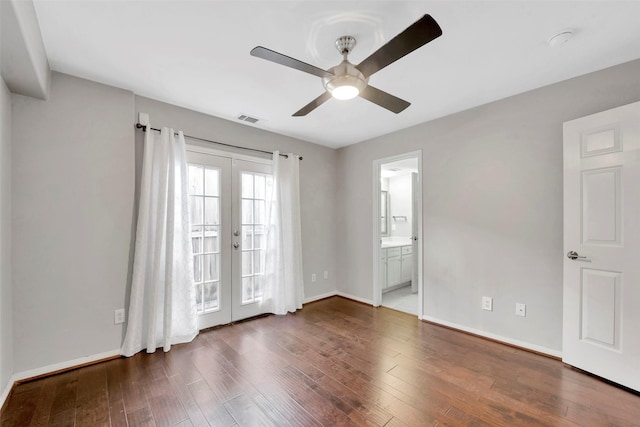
<point>144,129</point>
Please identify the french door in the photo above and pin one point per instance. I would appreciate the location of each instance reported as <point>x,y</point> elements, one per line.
<point>227,205</point>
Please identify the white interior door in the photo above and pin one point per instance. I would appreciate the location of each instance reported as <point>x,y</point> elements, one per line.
<point>226,206</point>
<point>601,303</point>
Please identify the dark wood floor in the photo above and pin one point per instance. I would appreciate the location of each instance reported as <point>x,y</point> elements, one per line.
<point>334,363</point>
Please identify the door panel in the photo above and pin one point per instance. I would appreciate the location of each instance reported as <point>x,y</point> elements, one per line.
<point>253,182</point>
<point>600,307</point>
<point>601,206</point>
<point>210,216</point>
<point>601,211</point>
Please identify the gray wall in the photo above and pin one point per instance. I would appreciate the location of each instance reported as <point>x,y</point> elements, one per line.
<point>73,179</point>
<point>6,303</point>
<point>318,182</point>
<point>23,59</point>
<point>73,182</point>
<point>492,205</point>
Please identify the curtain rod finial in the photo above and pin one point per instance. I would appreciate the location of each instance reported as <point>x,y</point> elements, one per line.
<point>143,127</point>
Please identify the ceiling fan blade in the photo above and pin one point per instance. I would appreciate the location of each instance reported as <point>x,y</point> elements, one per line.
<point>384,99</point>
<point>312,105</point>
<point>287,61</point>
<point>416,35</point>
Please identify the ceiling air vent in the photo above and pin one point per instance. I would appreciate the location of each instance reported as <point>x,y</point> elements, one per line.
<point>246,118</point>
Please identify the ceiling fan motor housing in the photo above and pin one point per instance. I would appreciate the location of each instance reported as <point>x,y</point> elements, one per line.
<point>345,74</point>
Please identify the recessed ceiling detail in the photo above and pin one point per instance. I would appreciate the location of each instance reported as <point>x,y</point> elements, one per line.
<point>561,38</point>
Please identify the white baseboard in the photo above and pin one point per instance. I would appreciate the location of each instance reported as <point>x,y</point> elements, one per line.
<point>54,368</point>
<point>340,294</point>
<point>64,365</point>
<point>355,298</point>
<point>319,297</point>
<point>496,337</point>
<point>7,390</point>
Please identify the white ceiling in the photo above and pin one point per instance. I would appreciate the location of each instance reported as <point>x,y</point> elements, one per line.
<point>195,54</point>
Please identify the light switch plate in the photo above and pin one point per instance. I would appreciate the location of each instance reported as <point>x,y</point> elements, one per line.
<point>487,303</point>
<point>521,309</point>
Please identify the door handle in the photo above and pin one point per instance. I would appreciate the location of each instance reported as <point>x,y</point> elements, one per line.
<point>573,255</point>
<point>236,245</point>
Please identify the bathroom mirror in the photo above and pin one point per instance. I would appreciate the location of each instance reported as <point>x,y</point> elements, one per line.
<point>384,213</point>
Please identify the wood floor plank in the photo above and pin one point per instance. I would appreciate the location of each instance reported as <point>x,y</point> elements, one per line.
<point>335,362</point>
<point>247,413</point>
<point>141,418</point>
<point>117,415</point>
<point>274,401</point>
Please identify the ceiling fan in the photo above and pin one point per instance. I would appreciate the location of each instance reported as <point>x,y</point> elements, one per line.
<point>346,81</point>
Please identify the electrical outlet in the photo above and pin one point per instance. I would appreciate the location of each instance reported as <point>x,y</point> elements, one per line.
<point>521,309</point>
<point>326,275</point>
<point>487,303</point>
<point>118,316</point>
<point>313,277</point>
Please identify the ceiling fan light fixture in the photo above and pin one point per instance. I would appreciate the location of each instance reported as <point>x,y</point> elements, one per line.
<point>346,82</point>
<point>345,92</point>
<point>345,87</point>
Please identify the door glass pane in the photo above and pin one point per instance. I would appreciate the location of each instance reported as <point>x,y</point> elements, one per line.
<point>259,237</point>
<point>258,286</point>
<point>247,211</point>
<point>212,182</point>
<point>212,240</point>
<point>195,179</point>
<point>247,266</point>
<point>212,210</point>
<point>199,296</point>
<point>259,187</point>
<point>260,216</point>
<point>257,262</point>
<point>204,208</point>
<point>247,237</point>
<point>197,268</point>
<point>197,244</point>
<point>208,261</point>
<point>195,209</point>
<point>247,186</point>
<point>210,297</point>
<point>253,234</point>
<point>247,290</point>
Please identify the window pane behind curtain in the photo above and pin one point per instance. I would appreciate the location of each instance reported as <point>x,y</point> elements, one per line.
<point>204,213</point>
<point>254,190</point>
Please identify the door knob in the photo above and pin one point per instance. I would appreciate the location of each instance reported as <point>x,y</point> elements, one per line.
<point>236,245</point>
<point>574,255</point>
<point>236,233</point>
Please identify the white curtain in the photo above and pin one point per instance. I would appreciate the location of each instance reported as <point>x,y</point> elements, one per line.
<point>162,308</point>
<point>284,286</point>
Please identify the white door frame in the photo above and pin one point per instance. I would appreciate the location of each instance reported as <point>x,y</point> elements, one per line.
<point>377,290</point>
<point>231,309</point>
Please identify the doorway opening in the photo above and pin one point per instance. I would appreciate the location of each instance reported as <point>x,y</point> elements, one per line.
<point>397,233</point>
